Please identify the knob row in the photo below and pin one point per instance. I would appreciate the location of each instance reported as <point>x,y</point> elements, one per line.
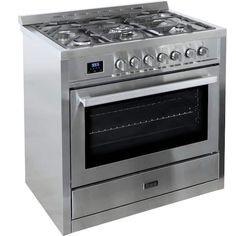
<point>149,60</point>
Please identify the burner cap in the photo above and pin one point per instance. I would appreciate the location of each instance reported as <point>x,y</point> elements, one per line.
<point>162,23</point>
<point>127,35</point>
<point>64,35</point>
<point>131,35</point>
<point>82,41</point>
<point>179,28</point>
<point>121,28</point>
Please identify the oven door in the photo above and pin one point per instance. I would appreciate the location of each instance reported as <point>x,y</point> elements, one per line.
<point>126,127</point>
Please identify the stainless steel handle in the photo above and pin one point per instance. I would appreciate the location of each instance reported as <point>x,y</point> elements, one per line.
<point>89,101</point>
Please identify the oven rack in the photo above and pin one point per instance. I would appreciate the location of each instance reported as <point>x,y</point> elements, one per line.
<point>137,107</point>
<point>140,122</point>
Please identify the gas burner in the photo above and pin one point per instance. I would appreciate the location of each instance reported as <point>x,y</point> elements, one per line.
<point>127,35</point>
<point>180,28</point>
<point>162,23</point>
<point>65,35</point>
<point>132,35</point>
<point>82,41</point>
<point>120,29</point>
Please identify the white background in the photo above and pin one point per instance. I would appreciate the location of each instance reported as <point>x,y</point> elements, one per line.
<point>21,214</point>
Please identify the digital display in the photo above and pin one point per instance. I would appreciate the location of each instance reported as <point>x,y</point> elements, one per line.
<point>94,67</point>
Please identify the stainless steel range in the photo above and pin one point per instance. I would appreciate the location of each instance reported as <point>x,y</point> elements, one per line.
<point>124,111</point>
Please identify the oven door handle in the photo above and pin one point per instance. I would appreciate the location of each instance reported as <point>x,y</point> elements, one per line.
<point>88,100</point>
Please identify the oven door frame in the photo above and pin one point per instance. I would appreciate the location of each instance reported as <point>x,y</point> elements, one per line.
<point>102,94</point>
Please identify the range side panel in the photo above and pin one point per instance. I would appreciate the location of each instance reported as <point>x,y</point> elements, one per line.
<point>222,106</point>
<point>45,170</point>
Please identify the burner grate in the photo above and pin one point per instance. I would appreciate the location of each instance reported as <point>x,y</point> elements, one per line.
<point>130,25</point>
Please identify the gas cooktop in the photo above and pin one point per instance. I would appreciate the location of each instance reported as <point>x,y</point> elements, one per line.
<point>113,27</point>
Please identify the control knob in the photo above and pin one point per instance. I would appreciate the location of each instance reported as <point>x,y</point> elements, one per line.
<point>190,53</point>
<point>202,51</point>
<point>162,57</point>
<point>149,60</point>
<point>135,62</point>
<point>175,56</point>
<point>120,65</point>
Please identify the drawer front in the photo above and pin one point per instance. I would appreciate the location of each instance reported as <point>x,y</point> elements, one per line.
<point>121,191</point>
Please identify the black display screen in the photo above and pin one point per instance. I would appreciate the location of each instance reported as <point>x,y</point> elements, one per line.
<point>94,67</point>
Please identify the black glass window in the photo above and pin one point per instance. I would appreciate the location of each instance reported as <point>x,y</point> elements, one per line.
<point>135,127</point>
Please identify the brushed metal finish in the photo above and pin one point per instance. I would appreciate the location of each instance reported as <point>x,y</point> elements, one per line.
<point>222,88</point>
<point>139,49</point>
<point>76,84</point>
<point>170,41</point>
<point>47,131</point>
<point>82,176</point>
<point>89,99</point>
<point>82,14</point>
<point>148,204</point>
<point>115,193</point>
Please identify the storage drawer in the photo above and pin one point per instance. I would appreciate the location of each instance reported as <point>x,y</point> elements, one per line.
<point>121,191</point>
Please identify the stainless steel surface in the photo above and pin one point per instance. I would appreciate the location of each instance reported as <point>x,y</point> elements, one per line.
<point>81,14</point>
<point>78,66</point>
<point>122,191</point>
<point>47,161</point>
<point>148,204</point>
<point>112,26</point>
<point>58,88</point>
<point>82,176</point>
<point>222,88</point>
<point>91,97</point>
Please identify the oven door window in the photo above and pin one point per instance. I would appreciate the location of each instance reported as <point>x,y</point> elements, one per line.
<point>131,128</point>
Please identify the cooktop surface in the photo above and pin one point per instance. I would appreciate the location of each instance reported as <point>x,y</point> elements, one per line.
<point>117,28</point>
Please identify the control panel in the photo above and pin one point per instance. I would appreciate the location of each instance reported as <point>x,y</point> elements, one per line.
<point>150,58</point>
<point>161,58</point>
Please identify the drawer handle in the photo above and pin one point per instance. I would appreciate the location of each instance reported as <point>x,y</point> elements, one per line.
<point>151,184</point>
